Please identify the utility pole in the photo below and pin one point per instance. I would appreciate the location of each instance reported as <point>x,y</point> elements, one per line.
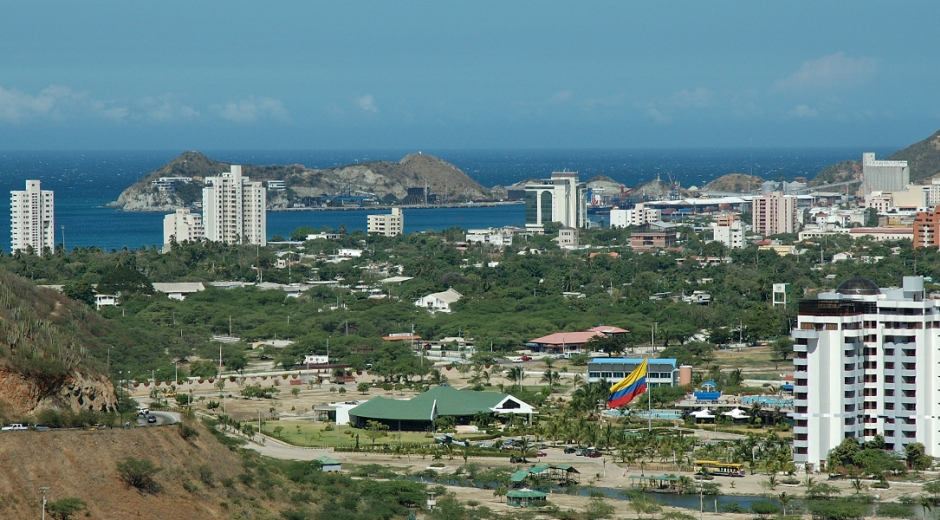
<point>44,490</point>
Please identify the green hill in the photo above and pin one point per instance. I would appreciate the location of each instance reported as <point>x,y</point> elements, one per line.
<point>923,157</point>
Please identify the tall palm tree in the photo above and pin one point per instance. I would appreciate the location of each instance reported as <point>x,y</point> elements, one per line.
<point>516,375</point>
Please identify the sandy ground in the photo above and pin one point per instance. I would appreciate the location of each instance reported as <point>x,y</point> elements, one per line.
<point>601,472</point>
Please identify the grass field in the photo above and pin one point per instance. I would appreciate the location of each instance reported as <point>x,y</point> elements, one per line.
<point>314,434</point>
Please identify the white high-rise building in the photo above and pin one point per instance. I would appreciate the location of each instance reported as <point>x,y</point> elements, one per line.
<point>388,224</point>
<point>182,226</point>
<point>233,209</point>
<point>884,175</point>
<point>32,223</point>
<point>864,365</point>
<point>560,199</point>
<point>639,215</point>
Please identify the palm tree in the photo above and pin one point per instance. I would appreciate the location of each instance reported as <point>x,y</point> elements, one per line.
<point>576,380</point>
<point>436,378</point>
<point>516,375</point>
<point>551,377</point>
<point>785,500</point>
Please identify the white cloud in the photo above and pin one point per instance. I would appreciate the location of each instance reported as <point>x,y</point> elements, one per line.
<point>803,112</point>
<point>18,106</point>
<point>662,109</point>
<point>828,72</point>
<point>562,96</point>
<point>367,103</point>
<point>609,101</point>
<point>251,109</point>
<point>698,98</point>
<point>653,113</point>
<point>165,108</point>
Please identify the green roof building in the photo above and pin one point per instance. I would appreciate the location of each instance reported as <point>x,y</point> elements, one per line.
<point>419,412</point>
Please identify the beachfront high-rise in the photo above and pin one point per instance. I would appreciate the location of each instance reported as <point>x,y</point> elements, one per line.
<point>182,226</point>
<point>233,209</point>
<point>864,364</point>
<point>560,199</point>
<point>388,224</point>
<point>32,223</point>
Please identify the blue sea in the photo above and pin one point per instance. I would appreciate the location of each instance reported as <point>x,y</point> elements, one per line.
<point>84,182</point>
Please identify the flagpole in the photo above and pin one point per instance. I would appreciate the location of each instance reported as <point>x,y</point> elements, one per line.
<point>649,401</point>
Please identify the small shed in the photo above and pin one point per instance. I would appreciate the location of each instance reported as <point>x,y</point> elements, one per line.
<point>526,498</point>
<point>329,465</point>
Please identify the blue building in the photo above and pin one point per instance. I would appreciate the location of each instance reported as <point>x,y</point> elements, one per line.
<point>661,371</point>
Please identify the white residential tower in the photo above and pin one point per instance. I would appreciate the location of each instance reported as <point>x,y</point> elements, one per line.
<point>32,223</point>
<point>234,209</point>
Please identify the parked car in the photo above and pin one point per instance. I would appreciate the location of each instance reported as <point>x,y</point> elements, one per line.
<point>14,427</point>
<point>593,454</point>
<point>484,445</point>
<point>541,454</point>
<point>569,449</point>
<point>525,358</point>
<point>580,452</point>
<point>41,428</point>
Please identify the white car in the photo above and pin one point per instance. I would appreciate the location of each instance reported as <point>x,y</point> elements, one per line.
<point>14,426</point>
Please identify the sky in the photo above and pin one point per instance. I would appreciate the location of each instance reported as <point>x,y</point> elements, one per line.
<point>311,75</point>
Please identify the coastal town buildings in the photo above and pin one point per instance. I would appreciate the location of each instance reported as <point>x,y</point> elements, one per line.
<point>182,226</point>
<point>234,209</point>
<point>729,231</point>
<point>387,224</point>
<point>774,213</point>
<point>32,222</point>
<point>639,215</point>
<point>864,365</point>
<point>560,199</point>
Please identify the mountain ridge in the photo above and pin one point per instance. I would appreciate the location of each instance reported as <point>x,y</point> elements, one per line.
<point>387,180</point>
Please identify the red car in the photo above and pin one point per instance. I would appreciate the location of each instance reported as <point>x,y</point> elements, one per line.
<point>593,454</point>
<point>541,454</point>
<point>525,358</point>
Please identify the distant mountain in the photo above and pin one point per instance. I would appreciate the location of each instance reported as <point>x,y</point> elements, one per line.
<point>387,180</point>
<point>735,183</point>
<point>923,157</point>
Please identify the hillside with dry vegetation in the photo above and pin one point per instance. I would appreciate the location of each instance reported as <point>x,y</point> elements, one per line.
<point>46,352</point>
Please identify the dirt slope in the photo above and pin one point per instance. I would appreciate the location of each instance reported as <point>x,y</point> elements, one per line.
<point>83,464</point>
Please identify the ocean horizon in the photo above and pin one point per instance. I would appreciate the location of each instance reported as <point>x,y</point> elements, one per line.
<point>85,181</point>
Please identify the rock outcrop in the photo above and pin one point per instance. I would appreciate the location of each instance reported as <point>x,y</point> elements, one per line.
<point>23,395</point>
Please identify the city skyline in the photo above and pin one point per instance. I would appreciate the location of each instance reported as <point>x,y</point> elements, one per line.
<point>416,75</point>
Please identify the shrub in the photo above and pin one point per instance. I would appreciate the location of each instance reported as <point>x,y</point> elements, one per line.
<point>207,476</point>
<point>188,432</point>
<point>66,508</point>
<point>192,487</point>
<point>139,474</point>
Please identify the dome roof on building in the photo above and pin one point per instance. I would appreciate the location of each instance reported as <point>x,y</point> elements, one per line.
<point>858,286</point>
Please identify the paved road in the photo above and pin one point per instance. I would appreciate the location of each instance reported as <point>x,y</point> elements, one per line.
<point>163,418</point>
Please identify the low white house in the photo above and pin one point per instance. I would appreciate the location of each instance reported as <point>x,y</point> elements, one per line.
<point>439,302</point>
<point>178,290</point>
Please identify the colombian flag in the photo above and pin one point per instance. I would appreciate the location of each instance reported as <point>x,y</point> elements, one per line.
<point>629,387</point>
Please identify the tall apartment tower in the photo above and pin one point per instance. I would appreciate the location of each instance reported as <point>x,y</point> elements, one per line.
<point>864,365</point>
<point>388,224</point>
<point>560,199</point>
<point>32,222</point>
<point>182,226</point>
<point>774,213</point>
<point>927,228</point>
<point>233,209</point>
<point>885,175</point>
